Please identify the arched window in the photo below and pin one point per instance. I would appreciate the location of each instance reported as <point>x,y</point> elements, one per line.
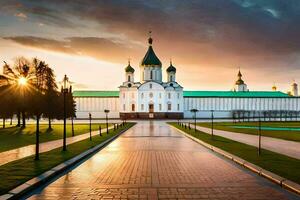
<point>133,107</point>
<point>169,106</point>
<point>151,74</point>
<point>171,78</point>
<point>128,78</point>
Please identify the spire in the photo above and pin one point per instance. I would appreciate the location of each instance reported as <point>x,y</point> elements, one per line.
<point>150,40</point>
<point>240,74</point>
<point>240,80</point>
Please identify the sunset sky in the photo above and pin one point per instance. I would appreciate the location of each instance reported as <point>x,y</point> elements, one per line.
<point>208,40</point>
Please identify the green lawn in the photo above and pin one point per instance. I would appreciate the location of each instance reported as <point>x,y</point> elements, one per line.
<point>20,171</point>
<point>286,135</point>
<point>277,163</point>
<point>14,137</point>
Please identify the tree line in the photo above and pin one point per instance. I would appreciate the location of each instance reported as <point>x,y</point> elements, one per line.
<point>28,89</point>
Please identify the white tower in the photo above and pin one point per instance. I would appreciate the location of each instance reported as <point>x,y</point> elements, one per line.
<point>294,89</point>
<point>129,73</point>
<point>240,85</point>
<point>171,72</point>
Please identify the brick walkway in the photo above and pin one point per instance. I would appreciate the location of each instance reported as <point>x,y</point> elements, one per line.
<point>286,147</point>
<point>22,152</point>
<point>154,161</point>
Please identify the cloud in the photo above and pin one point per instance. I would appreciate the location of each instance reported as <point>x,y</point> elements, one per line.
<point>21,16</point>
<point>215,32</point>
<point>100,48</point>
<point>240,26</point>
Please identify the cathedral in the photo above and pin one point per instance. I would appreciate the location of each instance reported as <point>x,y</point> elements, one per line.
<point>151,97</point>
<point>154,98</point>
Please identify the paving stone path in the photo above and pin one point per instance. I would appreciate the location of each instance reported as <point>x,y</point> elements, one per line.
<point>22,152</point>
<point>286,147</point>
<point>154,161</point>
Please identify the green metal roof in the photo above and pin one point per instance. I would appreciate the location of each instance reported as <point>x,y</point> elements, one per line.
<point>129,69</point>
<point>150,58</point>
<point>84,93</point>
<point>234,94</point>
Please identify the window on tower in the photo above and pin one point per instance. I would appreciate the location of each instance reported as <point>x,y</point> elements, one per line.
<point>129,78</point>
<point>169,95</point>
<point>133,107</point>
<point>151,74</point>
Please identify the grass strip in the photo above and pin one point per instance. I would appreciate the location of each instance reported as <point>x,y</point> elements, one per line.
<point>16,137</point>
<point>281,134</point>
<point>279,164</point>
<point>17,172</point>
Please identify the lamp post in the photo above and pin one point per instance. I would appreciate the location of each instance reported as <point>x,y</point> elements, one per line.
<point>212,124</point>
<point>106,117</point>
<point>259,136</point>
<point>195,117</point>
<point>90,118</point>
<point>65,91</point>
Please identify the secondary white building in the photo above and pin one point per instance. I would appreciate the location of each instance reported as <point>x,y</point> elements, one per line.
<point>152,97</point>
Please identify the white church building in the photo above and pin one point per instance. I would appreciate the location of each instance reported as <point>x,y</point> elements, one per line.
<point>152,97</point>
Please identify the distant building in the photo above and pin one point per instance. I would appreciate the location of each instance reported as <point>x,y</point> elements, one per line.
<point>240,85</point>
<point>152,97</point>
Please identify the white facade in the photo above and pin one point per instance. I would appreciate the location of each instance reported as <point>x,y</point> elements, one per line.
<point>222,106</point>
<point>96,106</point>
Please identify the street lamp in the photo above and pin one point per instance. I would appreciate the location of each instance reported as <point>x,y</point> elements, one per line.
<point>90,118</point>
<point>65,90</point>
<point>212,124</point>
<point>106,117</point>
<point>195,113</point>
<point>259,136</point>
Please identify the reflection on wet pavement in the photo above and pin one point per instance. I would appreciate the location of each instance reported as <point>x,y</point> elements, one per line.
<point>154,161</point>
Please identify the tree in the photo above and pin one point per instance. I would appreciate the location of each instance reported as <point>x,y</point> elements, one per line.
<point>11,77</point>
<point>51,96</point>
<point>38,96</point>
